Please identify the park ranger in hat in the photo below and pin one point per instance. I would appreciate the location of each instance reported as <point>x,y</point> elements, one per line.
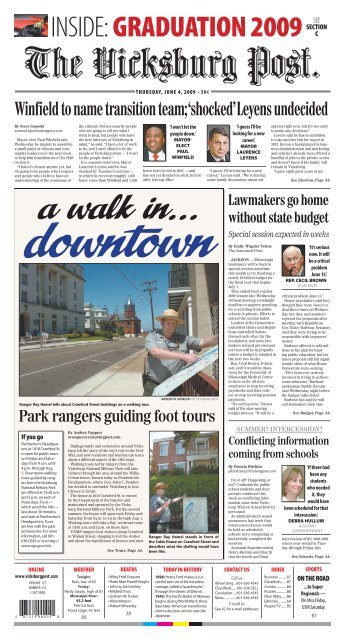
<point>160,513</point>
<point>168,351</point>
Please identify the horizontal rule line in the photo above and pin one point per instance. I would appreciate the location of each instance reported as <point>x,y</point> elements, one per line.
<point>206,166</point>
<point>306,289</point>
<point>134,90</point>
<point>279,188</point>
<point>43,623</point>
<point>270,91</point>
<point>74,91</point>
<point>172,562</point>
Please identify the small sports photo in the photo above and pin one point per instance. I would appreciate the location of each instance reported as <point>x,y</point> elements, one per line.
<point>27,25</point>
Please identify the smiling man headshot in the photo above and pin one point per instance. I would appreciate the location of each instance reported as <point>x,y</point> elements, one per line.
<point>154,143</point>
<point>218,144</point>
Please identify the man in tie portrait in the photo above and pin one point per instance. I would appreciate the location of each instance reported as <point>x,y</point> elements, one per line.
<point>293,261</point>
<point>154,143</point>
<point>218,144</point>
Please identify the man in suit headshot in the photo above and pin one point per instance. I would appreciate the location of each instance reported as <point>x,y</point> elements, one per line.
<point>154,144</point>
<point>293,261</point>
<point>218,145</point>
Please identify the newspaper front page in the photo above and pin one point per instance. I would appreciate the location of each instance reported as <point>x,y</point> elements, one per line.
<point>174,354</point>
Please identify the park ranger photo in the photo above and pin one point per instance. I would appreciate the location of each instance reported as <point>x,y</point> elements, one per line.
<point>169,351</point>
<point>160,514</point>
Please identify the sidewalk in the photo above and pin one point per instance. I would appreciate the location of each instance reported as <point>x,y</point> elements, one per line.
<point>29,346</point>
<point>121,379</point>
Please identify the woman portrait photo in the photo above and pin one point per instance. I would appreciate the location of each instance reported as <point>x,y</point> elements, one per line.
<point>292,484</point>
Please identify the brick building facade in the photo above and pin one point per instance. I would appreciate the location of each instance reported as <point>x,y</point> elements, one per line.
<point>128,321</point>
<point>199,451</point>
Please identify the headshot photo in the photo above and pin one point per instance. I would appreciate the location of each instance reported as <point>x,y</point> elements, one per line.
<point>218,143</point>
<point>293,483</point>
<point>293,260</point>
<point>154,143</point>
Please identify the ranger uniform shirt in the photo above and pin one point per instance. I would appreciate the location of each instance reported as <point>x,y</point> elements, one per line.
<point>160,370</point>
<point>155,503</point>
